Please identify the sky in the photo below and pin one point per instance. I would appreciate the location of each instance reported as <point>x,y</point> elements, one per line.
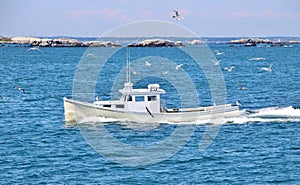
<point>93,18</point>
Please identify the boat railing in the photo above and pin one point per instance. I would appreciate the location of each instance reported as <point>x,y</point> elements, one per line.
<point>219,108</point>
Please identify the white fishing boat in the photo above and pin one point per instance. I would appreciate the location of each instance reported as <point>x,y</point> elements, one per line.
<point>143,105</point>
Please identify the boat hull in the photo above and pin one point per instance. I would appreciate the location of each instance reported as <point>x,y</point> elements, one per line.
<point>76,110</point>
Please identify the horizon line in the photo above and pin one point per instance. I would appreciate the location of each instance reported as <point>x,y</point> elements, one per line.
<point>81,36</point>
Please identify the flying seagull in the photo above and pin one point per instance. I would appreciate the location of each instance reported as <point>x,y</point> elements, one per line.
<point>219,53</point>
<point>136,73</point>
<point>216,62</point>
<point>177,16</point>
<point>229,69</point>
<point>20,88</point>
<point>268,69</point>
<point>148,63</point>
<point>178,66</point>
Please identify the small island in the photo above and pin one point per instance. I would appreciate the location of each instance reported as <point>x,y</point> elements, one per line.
<point>156,43</point>
<point>255,41</point>
<point>57,42</point>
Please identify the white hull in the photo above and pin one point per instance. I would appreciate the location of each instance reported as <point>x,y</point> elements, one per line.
<point>76,110</point>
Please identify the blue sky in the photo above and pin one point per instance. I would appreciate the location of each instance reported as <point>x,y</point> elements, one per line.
<point>95,17</point>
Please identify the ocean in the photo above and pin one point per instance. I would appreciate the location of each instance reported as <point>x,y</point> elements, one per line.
<point>262,146</point>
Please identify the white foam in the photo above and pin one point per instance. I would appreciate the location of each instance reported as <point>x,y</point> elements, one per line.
<point>272,114</point>
<point>275,112</point>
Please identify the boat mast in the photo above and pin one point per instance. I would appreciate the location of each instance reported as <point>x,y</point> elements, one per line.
<point>127,64</point>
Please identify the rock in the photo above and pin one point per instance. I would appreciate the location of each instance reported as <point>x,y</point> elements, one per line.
<point>195,42</point>
<point>24,40</point>
<point>178,44</point>
<point>58,42</point>
<point>100,44</point>
<point>65,42</point>
<point>5,39</point>
<point>250,40</point>
<point>156,43</point>
<point>294,42</point>
<point>41,42</point>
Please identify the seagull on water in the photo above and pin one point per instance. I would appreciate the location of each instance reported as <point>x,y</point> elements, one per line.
<point>178,66</point>
<point>268,69</point>
<point>3,98</point>
<point>177,16</point>
<point>219,53</point>
<point>34,49</point>
<point>91,55</point>
<point>20,88</point>
<point>216,62</point>
<point>242,87</point>
<point>164,73</point>
<point>229,69</point>
<point>238,103</point>
<point>259,58</point>
<point>148,63</point>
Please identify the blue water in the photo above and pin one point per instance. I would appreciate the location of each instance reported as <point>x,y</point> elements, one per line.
<point>37,147</point>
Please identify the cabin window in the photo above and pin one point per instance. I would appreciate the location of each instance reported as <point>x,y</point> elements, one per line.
<point>139,98</point>
<point>106,105</point>
<point>120,106</point>
<point>152,98</point>
<point>129,98</point>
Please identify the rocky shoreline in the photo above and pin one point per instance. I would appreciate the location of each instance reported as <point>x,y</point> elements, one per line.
<point>58,42</point>
<point>255,41</point>
<point>71,42</point>
<point>156,43</point>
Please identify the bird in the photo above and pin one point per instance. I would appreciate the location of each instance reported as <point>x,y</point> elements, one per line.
<point>178,66</point>
<point>91,55</point>
<point>219,53</point>
<point>34,49</point>
<point>216,62</point>
<point>136,73</point>
<point>242,87</point>
<point>238,103</point>
<point>229,69</point>
<point>164,73</point>
<point>20,88</point>
<point>268,69</point>
<point>259,58</point>
<point>148,63</point>
<point>3,98</point>
<point>177,16</point>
